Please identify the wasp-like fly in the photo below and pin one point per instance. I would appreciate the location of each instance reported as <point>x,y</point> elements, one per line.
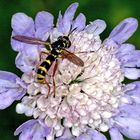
<point>55,50</point>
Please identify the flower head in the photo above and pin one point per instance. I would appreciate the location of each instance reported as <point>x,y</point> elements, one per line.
<point>89,100</point>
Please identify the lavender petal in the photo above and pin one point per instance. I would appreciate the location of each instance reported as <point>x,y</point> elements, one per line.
<point>59,22</point>
<point>16,45</point>
<point>125,49</point>
<point>26,60</point>
<point>124,30</point>
<point>32,130</point>
<point>128,111</point>
<point>64,24</point>
<point>66,135</point>
<point>96,27</point>
<point>79,23</point>
<point>37,136</point>
<point>8,97</point>
<point>132,60</point>
<point>127,120</point>
<point>96,134</point>
<point>11,89</point>
<point>26,136</point>
<point>115,134</point>
<point>25,125</point>
<point>7,83</point>
<point>132,90</point>
<point>128,56</point>
<point>8,76</point>
<point>43,24</point>
<point>84,137</point>
<point>22,24</point>
<point>131,73</point>
<point>130,127</point>
<point>21,64</point>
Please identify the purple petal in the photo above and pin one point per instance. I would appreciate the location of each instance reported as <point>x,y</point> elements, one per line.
<point>59,21</point>
<point>44,20</point>
<point>11,89</point>
<point>7,83</point>
<point>130,127</point>
<point>20,46</point>
<point>25,125</point>
<point>66,135</point>
<point>8,76</point>
<point>37,136</point>
<point>22,24</point>
<point>125,49</point>
<point>131,111</point>
<point>96,27</point>
<point>115,134</point>
<point>8,97</point>
<point>79,23</point>
<point>43,24</point>
<point>124,30</point>
<point>27,60</point>
<point>108,42</point>
<point>84,137</point>
<point>32,52</point>
<point>128,56</point>
<point>131,73</point>
<point>21,64</point>
<point>131,59</point>
<point>64,24</point>
<point>96,134</point>
<point>134,92</point>
<point>16,45</point>
<point>33,130</point>
<point>45,130</point>
<point>26,136</point>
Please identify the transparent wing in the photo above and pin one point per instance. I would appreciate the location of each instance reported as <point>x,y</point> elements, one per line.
<point>72,58</point>
<point>29,40</point>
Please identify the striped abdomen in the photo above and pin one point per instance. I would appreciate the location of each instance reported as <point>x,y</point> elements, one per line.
<point>44,67</point>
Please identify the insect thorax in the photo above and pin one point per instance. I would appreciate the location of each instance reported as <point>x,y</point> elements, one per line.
<point>62,43</point>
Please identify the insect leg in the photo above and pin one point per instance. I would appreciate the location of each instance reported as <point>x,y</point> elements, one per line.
<point>85,52</point>
<point>45,82</point>
<point>43,52</point>
<point>54,71</point>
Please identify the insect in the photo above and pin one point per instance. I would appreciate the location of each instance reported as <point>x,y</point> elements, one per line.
<point>54,50</point>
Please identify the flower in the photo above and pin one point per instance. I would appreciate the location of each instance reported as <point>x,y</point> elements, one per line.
<point>89,100</point>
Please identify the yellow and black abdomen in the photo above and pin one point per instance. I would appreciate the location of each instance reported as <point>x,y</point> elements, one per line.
<point>44,67</point>
<point>46,64</point>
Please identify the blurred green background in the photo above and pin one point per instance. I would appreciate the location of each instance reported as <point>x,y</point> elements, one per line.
<point>112,11</point>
